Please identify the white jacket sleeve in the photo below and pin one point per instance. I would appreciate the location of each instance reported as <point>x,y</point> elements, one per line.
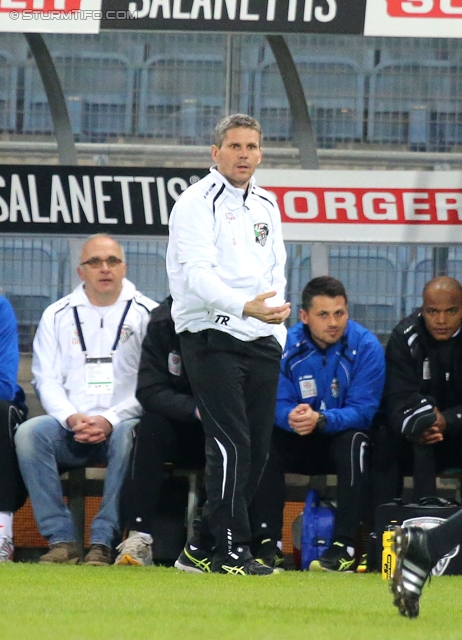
<point>279,279</point>
<point>47,378</point>
<point>193,234</point>
<point>125,410</point>
<point>130,408</point>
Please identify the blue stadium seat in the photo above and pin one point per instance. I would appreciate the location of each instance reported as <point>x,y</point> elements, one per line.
<point>181,97</point>
<point>99,94</point>
<point>417,103</point>
<point>8,91</point>
<point>373,282</point>
<point>372,277</point>
<point>29,277</point>
<point>334,90</point>
<point>298,273</point>
<point>421,271</point>
<point>146,267</point>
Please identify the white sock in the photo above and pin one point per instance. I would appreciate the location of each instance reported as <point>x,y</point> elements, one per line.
<point>6,524</point>
<point>351,551</point>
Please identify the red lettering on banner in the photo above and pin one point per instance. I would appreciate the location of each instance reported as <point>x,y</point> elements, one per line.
<point>39,5</point>
<point>424,8</point>
<point>369,206</point>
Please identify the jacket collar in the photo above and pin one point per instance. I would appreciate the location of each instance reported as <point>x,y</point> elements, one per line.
<point>236,192</point>
<point>79,297</point>
<point>342,343</point>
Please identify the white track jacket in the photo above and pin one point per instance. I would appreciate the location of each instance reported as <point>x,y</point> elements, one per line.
<point>224,250</point>
<point>58,363</point>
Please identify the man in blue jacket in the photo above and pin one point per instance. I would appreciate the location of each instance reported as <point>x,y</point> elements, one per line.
<point>330,385</point>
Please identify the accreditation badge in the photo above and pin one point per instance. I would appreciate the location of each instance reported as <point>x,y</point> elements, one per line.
<point>174,363</point>
<point>99,376</point>
<point>308,387</point>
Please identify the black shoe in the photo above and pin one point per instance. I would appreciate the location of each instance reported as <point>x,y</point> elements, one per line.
<point>336,558</point>
<point>240,562</point>
<point>413,567</point>
<point>362,564</point>
<point>194,560</point>
<point>269,553</point>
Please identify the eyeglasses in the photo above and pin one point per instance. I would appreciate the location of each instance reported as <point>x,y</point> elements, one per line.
<point>96,263</point>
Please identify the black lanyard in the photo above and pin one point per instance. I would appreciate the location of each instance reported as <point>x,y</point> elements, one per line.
<point>119,329</point>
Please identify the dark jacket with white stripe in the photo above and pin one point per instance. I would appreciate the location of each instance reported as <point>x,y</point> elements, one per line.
<point>163,386</point>
<point>418,366</point>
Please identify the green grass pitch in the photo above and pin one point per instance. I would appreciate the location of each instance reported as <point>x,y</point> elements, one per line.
<point>102,603</point>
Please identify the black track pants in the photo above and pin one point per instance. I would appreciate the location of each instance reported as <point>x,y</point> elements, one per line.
<point>157,440</point>
<point>343,454</point>
<point>234,384</point>
<point>12,489</point>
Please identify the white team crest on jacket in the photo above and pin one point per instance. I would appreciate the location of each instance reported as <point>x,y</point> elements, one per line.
<point>126,332</point>
<point>261,232</point>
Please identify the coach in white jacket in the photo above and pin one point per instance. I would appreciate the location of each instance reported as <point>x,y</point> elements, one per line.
<point>225,263</point>
<point>85,362</point>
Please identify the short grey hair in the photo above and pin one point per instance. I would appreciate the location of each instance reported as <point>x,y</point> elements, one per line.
<point>232,122</point>
<point>96,236</point>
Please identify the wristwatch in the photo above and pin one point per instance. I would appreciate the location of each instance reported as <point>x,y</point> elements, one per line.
<point>321,422</point>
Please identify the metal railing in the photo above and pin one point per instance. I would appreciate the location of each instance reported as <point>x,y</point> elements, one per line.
<point>125,87</point>
<point>383,282</point>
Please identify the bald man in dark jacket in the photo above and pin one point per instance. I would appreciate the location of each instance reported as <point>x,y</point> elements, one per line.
<point>423,393</point>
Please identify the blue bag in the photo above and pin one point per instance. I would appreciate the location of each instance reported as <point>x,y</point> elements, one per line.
<point>317,528</point>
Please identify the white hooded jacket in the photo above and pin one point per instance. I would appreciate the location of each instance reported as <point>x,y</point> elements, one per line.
<point>58,363</point>
<point>225,247</point>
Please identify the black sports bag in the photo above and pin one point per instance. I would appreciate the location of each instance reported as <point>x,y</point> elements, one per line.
<point>428,512</point>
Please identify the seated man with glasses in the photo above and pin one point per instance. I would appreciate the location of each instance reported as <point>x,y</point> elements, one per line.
<point>85,363</point>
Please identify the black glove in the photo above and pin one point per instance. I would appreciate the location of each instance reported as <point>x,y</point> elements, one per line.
<point>418,419</point>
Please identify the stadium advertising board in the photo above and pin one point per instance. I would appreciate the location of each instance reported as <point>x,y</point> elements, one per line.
<point>419,18</point>
<point>316,206</point>
<point>262,16</point>
<point>368,206</point>
<point>50,16</point>
<point>84,200</point>
<point>406,18</point>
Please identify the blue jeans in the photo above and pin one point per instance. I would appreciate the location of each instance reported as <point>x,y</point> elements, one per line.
<point>45,449</point>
